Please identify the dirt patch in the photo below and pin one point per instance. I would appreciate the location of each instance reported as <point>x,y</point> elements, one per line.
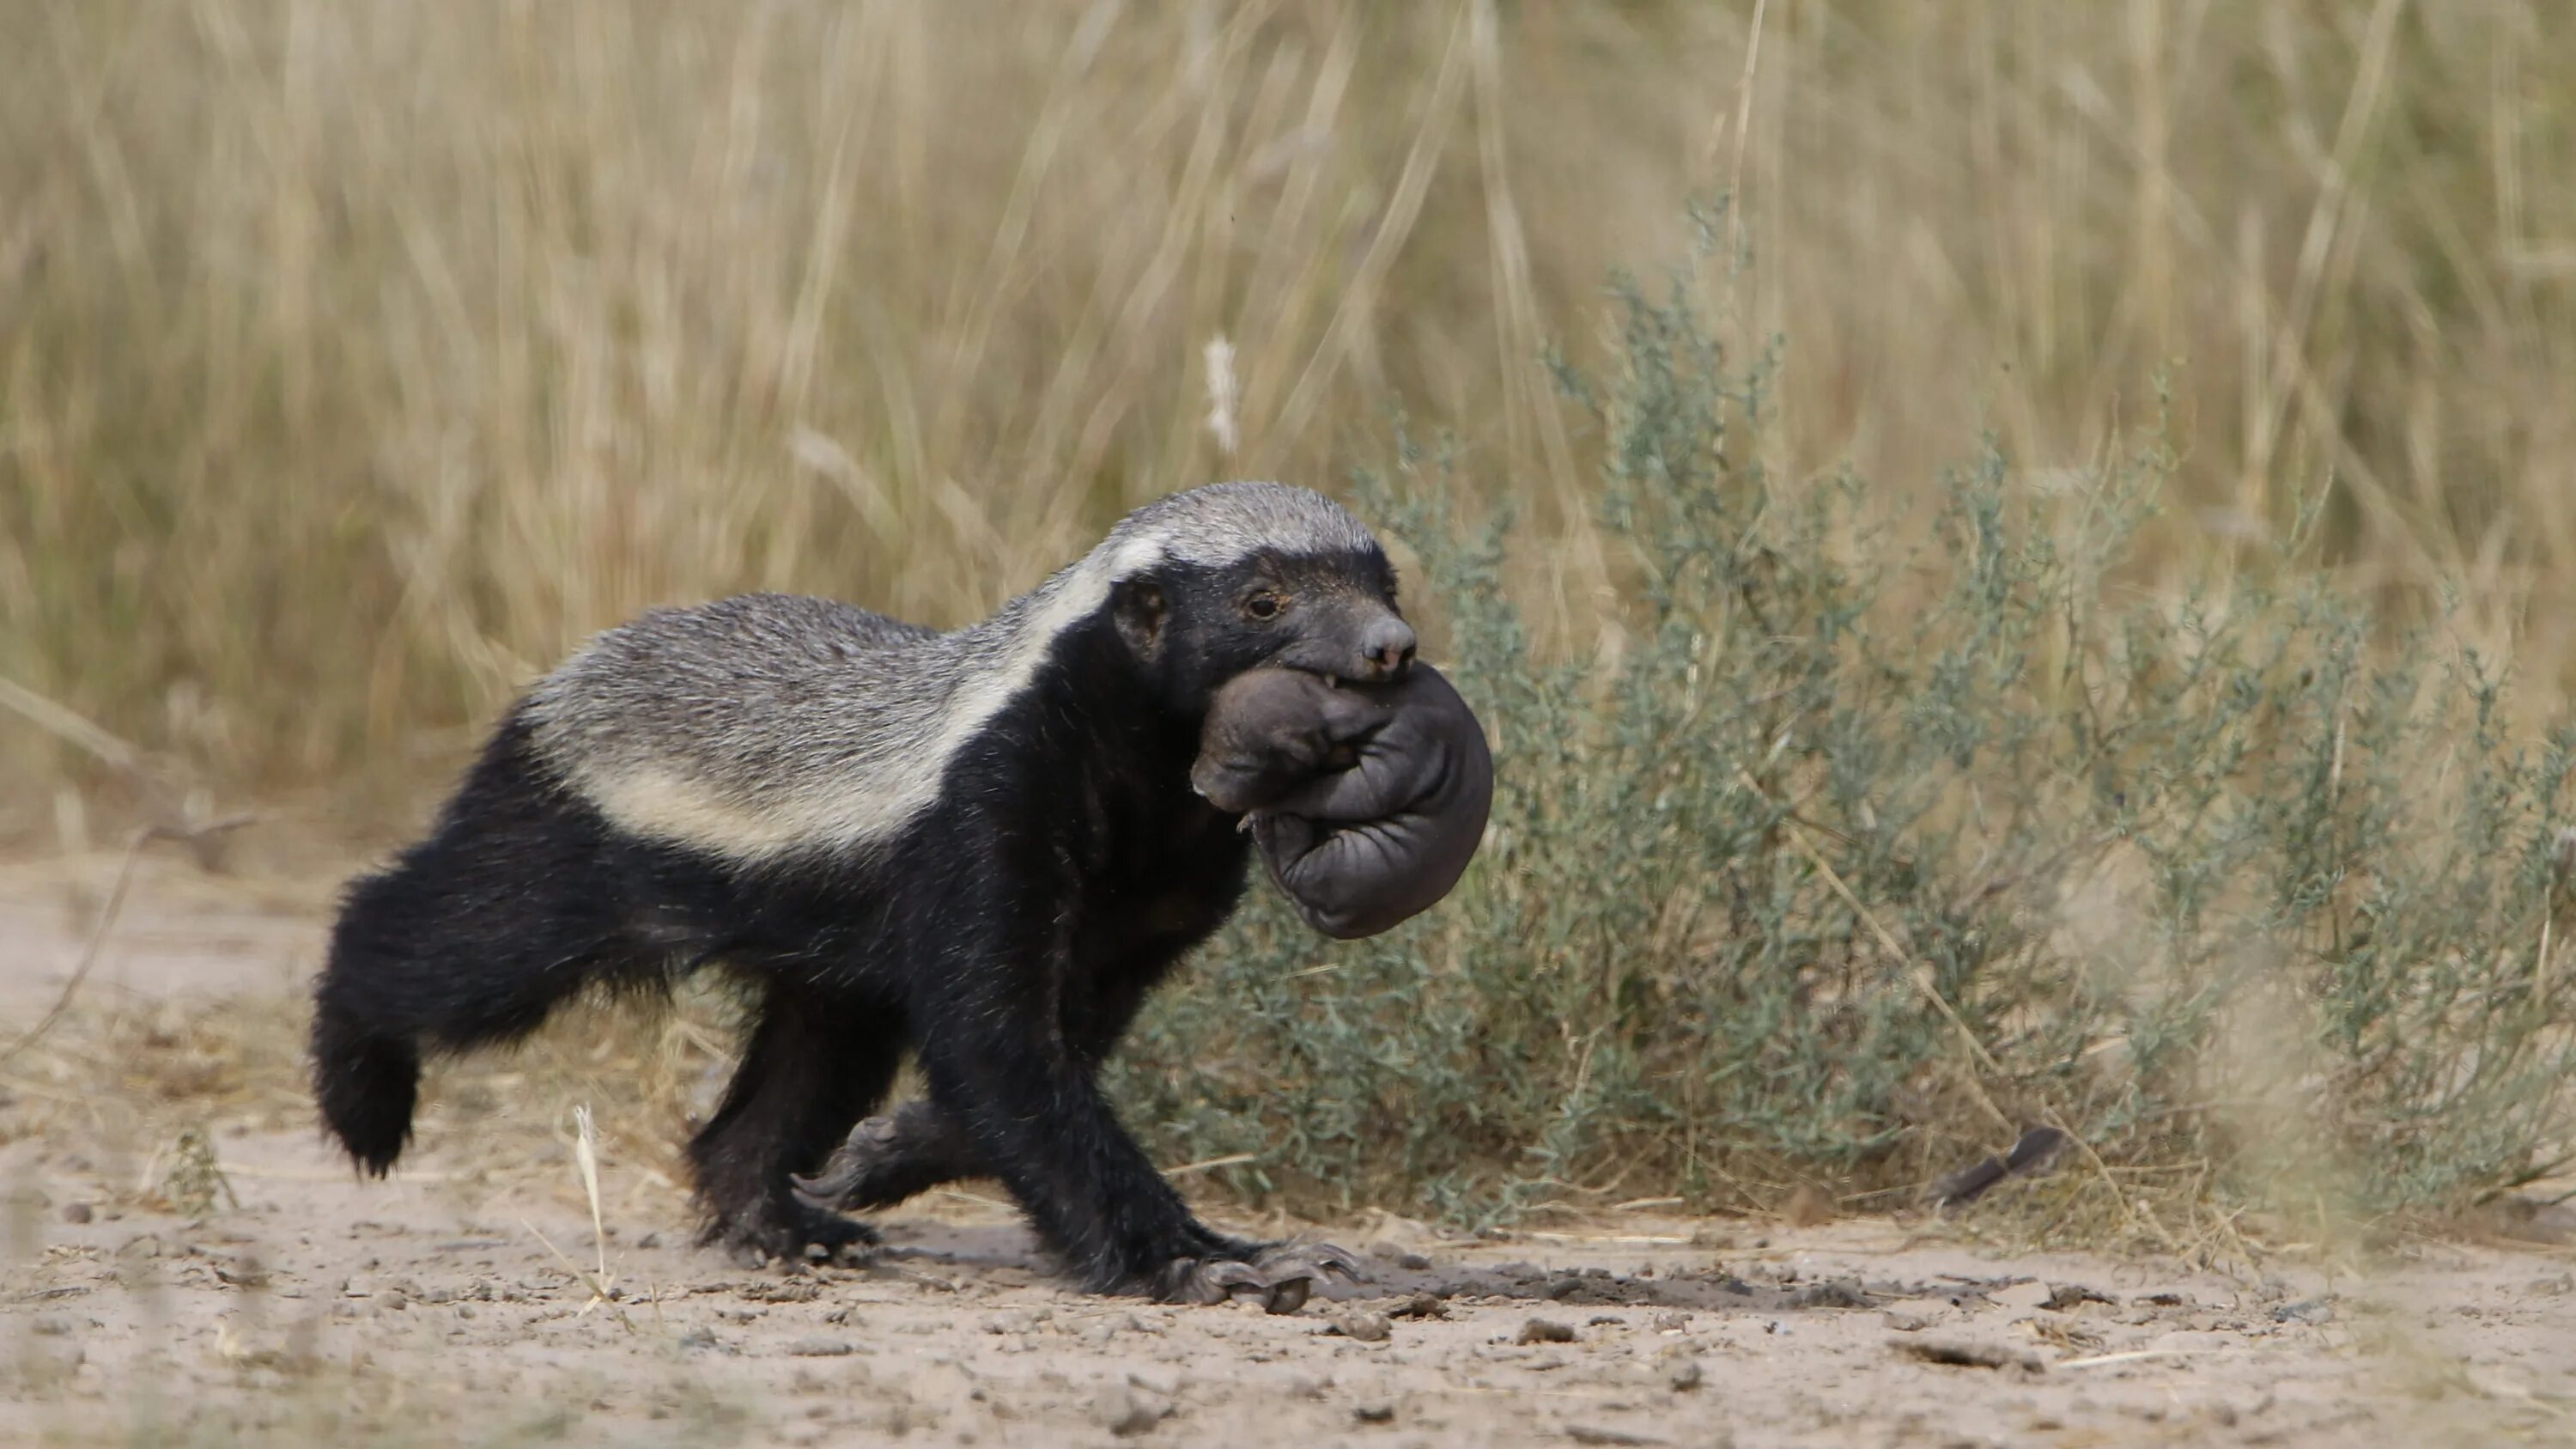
<point>307,1306</point>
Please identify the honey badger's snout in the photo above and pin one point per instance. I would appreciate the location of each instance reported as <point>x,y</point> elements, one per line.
<point>1385,648</point>
<point>1347,635</point>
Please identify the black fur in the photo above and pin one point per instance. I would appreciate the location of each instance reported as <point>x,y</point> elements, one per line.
<point>1008,935</point>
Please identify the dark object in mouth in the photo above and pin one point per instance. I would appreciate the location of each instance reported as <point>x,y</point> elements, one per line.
<point>1367,800</point>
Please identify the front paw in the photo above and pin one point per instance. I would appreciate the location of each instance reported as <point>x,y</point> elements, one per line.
<point>793,1232</point>
<point>1281,1275</point>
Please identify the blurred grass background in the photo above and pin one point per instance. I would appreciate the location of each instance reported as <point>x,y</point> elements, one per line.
<point>357,360</point>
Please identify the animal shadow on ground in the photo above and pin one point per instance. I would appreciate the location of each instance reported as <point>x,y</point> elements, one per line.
<point>1004,1254</point>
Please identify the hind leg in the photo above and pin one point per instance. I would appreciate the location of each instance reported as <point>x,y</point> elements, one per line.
<point>915,1148</point>
<point>920,1145</point>
<point>815,1062</point>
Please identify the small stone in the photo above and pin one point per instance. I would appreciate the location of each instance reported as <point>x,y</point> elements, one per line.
<point>1376,1411</point>
<point>1545,1330</point>
<point>1123,1410</point>
<point>77,1212</point>
<point>1363,1325</point>
<point>821,1348</point>
<point>2033,1294</point>
<point>649,1240</point>
<point>1684,1376</point>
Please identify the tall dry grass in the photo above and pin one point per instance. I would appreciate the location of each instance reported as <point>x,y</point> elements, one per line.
<point>355,360</point>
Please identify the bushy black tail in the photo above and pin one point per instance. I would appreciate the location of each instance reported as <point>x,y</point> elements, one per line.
<point>513,905</point>
<point>385,988</point>
<point>366,1083</point>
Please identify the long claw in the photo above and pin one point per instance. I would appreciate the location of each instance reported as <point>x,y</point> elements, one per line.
<point>1321,1256</point>
<point>824,1189</point>
<point>1214,1281</point>
<point>848,1165</point>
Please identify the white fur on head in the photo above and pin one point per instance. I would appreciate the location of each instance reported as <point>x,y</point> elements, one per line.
<point>771,725</point>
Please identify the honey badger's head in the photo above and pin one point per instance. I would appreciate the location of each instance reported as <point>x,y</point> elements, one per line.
<point>1212,582</point>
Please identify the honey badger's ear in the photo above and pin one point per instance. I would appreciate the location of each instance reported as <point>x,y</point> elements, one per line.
<point>1137,606</point>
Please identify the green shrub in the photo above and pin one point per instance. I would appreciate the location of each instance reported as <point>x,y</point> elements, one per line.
<point>1876,842</point>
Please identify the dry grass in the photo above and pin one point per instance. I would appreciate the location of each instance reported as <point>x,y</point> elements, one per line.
<point>356,360</point>
<point>151,1096</point>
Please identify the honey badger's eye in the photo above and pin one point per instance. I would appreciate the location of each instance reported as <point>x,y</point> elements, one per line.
<point>1263,605</point>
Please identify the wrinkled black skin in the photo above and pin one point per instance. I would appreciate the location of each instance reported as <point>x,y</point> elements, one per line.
<point>1269,731</point>
<point>1008,936</point>
<point>1367,801</point>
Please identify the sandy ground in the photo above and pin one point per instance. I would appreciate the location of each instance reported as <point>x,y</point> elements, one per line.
<point>432,1308</point>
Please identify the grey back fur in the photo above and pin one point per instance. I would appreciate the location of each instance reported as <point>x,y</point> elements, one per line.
<point>769,725</point>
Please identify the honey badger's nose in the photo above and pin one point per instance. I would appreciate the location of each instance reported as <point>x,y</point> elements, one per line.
<point>1386,647</point>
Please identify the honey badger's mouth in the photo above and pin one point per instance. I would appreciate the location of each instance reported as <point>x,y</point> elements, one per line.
<point>1331,679</point>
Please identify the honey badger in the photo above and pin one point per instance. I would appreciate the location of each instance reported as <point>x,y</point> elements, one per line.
<point>980,846</point>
